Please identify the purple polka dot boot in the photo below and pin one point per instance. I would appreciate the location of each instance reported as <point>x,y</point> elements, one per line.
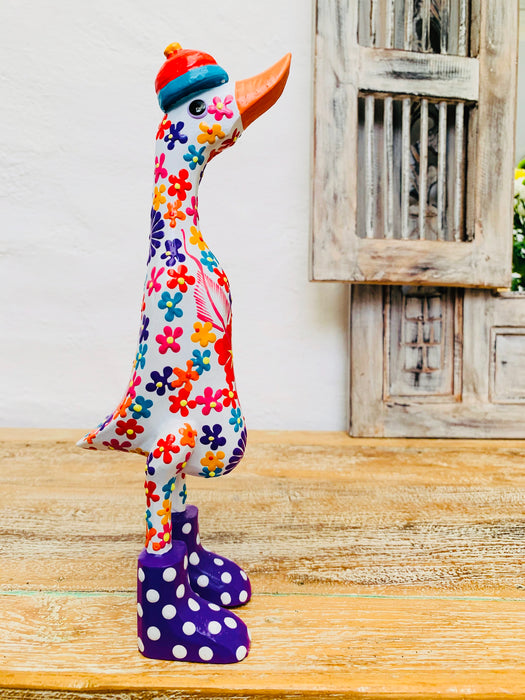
<point>175,623</point>
<point>215,578</point>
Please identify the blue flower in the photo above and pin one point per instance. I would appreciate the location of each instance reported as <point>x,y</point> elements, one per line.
<point>201,361</point>
<point>157,233</point>
<point>140,357</point>
<point>207,474</point>
<point>236,419</point>
<point>194,157</point>
<point>140,407</point>
<point>159,381</point>
<point>172,255</point>
<point>183,494</point>
<point>169,303</point>
<point>144,333</point>
<point>212,436</point>
<point>168,488</point>
<point>148,519</point>
<point>237,452</point>
<point>209,260</point>
<point>175,135</point>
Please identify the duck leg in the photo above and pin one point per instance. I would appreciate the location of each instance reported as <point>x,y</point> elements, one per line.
<point>174,622</point>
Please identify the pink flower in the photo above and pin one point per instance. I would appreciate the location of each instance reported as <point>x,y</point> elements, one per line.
<point>220,108</point>
<point>153,283</point>
<point>193,210</point>
<point>167,341</point>
<point>210,400</point>
<point>160,170</point>
<point>134,382</point>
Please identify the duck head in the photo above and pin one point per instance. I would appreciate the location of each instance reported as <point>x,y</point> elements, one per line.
<point>205,111</point>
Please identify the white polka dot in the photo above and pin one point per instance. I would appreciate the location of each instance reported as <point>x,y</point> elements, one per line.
<point>152,595</point>
<point>226,577</point>
<point>203,581</point>
<point>206,653</point>
<point>194,558</point>
<point>140,612</point>
<point>142,576</point>
<point>244,575</point>
<point>198,539</point>
<point>243,596</point>
<point>193,605</point>
<point>179,652</point>
<point>140,644</point>
<point>230,622</point>
<point>186,528</point>
<point>226,598</point>
<point>180,591</point>
<point>212,606</point>
<point>169,612</point>
<point>218,561</point>
<point>153,633</point>
<point>241,653</point>
<point>169,574</point>
<point>188,628</point>
<point>185,561</point>
<point>214,627</point>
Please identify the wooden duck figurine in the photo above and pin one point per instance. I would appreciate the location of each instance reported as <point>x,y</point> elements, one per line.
<point>181,408</point>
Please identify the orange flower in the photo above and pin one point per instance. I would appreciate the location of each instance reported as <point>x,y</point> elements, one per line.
<point>165,511</point>
<point>185,377</point>
<point>203,334</point>
<point>122,408</point>
<point>188,435</point>
<point>213,461</point>
<point>210,133</point>
<point>158,197</point>
<point>196,238</point>
<point>173,213</point>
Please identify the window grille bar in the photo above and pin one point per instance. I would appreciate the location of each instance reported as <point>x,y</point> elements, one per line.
<point>369,168</point>
<point>425,25</point>
<point>423,168</point>
<point>442,159</point>
<point>373,22</point>
<point>405,167</point>
<point>409,24</point>
<point>390,23</point>
<point>462,29</point>
<point>388,168</point>
<point>459,170</point>
<point>444,26</point>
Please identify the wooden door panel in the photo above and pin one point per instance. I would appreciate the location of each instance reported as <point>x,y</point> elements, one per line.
<point>437,363</point>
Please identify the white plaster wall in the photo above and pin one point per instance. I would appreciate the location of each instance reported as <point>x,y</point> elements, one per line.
<point>78,122</point>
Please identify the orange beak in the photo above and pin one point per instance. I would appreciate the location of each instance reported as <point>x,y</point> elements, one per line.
<point>256,95</point>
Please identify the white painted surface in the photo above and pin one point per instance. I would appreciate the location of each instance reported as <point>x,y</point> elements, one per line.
<point>79,117</point>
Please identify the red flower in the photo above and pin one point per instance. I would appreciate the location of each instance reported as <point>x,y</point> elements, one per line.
<point>181,465</point>
<point>179,185</point>
<point>223,348</point>
<point>165,448</point>
<point>185,377</point>
<point>149,487</point>
<point>180,278</point>
<point>116,445</point>
<point>180,403</point>
<point>230,397</point>
<point>163,126</point>
<point>130,428</point>
<point>222,279</point>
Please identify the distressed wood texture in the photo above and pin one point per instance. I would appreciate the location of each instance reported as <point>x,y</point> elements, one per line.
<point>468,380</point>
<point>381,569</point>
<point>480,87</point>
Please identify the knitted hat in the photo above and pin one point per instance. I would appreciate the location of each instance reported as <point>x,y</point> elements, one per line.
<point>186,73</point>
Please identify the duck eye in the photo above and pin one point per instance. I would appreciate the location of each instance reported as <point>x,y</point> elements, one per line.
<point>197,108</point>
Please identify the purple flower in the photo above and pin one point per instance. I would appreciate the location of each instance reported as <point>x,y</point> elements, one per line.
<point>175,135</point>
<point>237,452</point>
<point>172,255</point>
<point>157,233</point>
<point>144,333</point>
<point>212,436</point>
<point>159,381</point>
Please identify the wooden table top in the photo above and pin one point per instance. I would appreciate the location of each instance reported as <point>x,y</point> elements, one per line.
<point>380,569</point>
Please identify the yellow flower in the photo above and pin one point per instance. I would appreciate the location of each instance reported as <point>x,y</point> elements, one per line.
<point>203,334</point>
<point>158,197</point>
<point>196,238</point>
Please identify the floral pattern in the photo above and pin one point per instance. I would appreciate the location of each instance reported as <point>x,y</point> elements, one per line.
<point>181,408</point>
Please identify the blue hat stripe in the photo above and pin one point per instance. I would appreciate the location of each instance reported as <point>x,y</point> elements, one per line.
<point>196,80</point>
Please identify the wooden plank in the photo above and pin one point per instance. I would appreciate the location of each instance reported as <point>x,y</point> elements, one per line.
<point>431,75</point>
<point>303,646</point>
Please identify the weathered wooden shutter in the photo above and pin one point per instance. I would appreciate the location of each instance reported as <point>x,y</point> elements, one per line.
<point>413,142</point>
